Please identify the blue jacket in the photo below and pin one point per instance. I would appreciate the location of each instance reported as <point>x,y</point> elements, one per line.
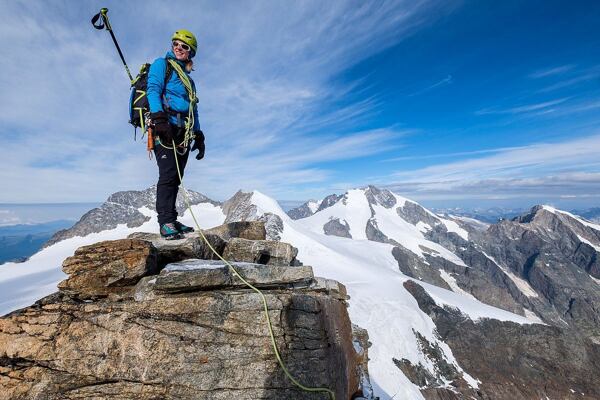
<point>175,95</point>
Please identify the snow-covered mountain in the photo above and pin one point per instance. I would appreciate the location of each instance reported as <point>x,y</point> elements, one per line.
<point>376,242</point>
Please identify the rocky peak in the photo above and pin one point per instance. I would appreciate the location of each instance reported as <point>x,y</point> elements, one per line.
<point>123,208</point>
<point>383,197</point>
<point>529,216</point>
<point>240,208</point>
<point>305,210</point>
<point>329,201</point>
<point>549,219</point>
<point>415,213</point>
<point>146,318</point>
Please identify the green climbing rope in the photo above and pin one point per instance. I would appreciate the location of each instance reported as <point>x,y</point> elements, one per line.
<point>264,300</point>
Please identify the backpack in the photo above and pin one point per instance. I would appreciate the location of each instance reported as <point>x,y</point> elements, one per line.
<point>138,102</point>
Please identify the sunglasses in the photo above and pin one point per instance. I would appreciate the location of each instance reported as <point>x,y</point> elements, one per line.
<point>182,45</point>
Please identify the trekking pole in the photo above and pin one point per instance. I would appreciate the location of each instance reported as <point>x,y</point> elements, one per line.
<point>105,24</point>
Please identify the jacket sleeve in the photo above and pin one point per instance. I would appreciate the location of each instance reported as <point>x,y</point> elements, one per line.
<point>156,83</point>
<point>196,120</point>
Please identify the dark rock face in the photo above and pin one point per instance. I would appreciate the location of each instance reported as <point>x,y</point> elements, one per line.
<point>412,265</point>
<point>553,253</point>
<point>303,211</point>
<point>191,331</point>
<point>444,370</point>
<point>373,233</point>
<point>122,208</point>
<point>382,197</point>
<point>514,361</point>
<point>543,262</point>
<point>335,228</point>
<point>329,201</point>
<point>414,213</point>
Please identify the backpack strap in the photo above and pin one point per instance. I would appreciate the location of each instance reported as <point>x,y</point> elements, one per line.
<point>168,73</point>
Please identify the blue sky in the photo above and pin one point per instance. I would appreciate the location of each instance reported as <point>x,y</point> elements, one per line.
<point>444,102</point>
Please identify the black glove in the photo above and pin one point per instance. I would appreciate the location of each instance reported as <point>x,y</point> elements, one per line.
<point>199,144</point>
<point>162,128</point>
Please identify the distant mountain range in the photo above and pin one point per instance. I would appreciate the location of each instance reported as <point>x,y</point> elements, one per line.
<point>18,242</point>
<point>456,308</point>
<point>494,214</point>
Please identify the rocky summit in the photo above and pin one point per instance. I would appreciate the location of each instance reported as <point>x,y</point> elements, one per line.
<point>144,318</point>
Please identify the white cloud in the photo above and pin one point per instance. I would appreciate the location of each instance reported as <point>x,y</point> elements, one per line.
<point>552,169</point>
<point>269,103</point>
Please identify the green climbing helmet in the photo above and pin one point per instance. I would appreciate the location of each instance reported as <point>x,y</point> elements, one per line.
<point>186,37</point>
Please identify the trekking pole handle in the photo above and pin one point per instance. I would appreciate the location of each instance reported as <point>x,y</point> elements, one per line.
<point>104,12</point>
<point>105,24</point>
<point>103,17</point>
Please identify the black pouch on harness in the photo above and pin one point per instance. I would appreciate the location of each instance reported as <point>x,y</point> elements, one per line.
<point>138,102</point>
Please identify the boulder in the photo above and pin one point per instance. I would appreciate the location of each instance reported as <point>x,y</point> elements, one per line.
<point>260,251</point>
<point>251,230</point>
<point>197,275</point>
<point>106,267</point>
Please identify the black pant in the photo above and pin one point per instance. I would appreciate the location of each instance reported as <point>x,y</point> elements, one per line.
<point>168,182</point>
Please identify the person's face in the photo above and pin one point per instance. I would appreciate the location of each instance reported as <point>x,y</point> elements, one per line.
<point>181,50</point>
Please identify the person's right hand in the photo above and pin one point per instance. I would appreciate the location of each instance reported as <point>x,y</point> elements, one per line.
<point>162,128</point>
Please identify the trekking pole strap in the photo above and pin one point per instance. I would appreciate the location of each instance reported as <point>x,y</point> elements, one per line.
<point>100,21</point>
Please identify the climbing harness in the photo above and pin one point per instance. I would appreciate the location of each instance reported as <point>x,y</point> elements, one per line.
<point>188,136</point>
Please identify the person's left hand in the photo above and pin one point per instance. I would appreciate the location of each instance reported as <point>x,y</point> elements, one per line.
<point>199,144</point>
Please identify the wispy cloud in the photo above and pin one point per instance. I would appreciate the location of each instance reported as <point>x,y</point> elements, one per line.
<point>523,109</point>
<point>454,154</point>
<point>590,75</point>
<point>553,71</point>
<point>563,168</point>
<point>446,81</point>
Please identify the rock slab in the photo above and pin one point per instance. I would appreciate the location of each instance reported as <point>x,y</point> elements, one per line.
<point>106,267</point>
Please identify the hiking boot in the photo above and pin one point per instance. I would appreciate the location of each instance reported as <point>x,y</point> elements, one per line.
<point>183,228</point>
<point>169,232</point>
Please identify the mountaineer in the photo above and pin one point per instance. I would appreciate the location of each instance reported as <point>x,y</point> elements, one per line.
<point>174,117</point>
